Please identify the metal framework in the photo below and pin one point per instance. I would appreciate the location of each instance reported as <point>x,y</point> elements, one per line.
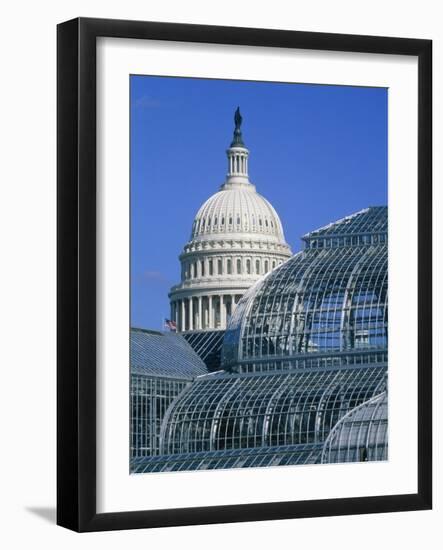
<point>326,305</point>
<point>231,458</point>
<point>361,435</point>
<point>162,365</point>
<point>304,363</point>
<point>266,409</point>
<point>207,345</point>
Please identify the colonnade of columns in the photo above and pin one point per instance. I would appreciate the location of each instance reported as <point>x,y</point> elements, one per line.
<point>238,164</point>
<point>203,312</point>
<point>229,265</point>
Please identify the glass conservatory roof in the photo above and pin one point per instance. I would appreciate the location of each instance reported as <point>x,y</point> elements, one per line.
<point>305,359</point>
<point>370,221</point>
<point>361,435</point>
<point>283,455</point>
<point>163,354</point>
<point>330,298</point>
<point>229,411</point>
<point>207,345</point>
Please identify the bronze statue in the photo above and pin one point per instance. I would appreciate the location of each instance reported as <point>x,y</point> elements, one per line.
<point>238,140</point>
<point>237,119</point>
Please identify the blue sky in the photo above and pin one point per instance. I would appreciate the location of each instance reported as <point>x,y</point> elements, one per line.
<point>317,153</point>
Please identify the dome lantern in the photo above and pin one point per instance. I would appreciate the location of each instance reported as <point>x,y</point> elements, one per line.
<point>237,156</point>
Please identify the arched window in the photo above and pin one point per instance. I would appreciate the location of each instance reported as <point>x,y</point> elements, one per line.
<point>238,265</point>
<point>211,268</point>
<point>248,267</point>
<point>273,264</point>
<point>202,268</point>
<point>238,220</point>
<point>219,267</point>
<point>230,220</point>
<point>260,221</point>
<point>266,222</point>
<point>223,220</point>
<point>266,266</point>
<point>229,266</point>
<point>257,266</point>
<point>215,220</point>
<point>195,270</point>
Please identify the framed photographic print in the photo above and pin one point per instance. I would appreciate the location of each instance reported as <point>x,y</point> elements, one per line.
<point>236,209</point>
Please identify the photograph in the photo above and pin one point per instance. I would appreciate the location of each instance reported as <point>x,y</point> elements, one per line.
<point>258,274</point>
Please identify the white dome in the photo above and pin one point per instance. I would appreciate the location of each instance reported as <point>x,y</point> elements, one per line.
<point>240,211</point>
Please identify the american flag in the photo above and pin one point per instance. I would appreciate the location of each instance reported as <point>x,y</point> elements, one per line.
<point>171,325</point>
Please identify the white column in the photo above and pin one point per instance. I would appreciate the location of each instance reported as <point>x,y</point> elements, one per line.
<point>199,320</point>
<point>183,315</point>
<point>222,313</point>
<point>191,315</point>
<point>210,313</point>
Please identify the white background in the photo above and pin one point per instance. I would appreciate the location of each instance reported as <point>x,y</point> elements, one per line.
<point>27,286</point>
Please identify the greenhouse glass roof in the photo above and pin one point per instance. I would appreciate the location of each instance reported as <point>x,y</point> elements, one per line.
<point>361,435</point>
<point>329,299</point>
<point>227,411</point>
<point>207,345</point>
<point>233,458</point>
<point>370,221</point>
<point>163,354</point>
<point>305,363</point>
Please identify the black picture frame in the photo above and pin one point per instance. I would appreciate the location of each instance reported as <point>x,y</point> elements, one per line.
<point>76,265</point>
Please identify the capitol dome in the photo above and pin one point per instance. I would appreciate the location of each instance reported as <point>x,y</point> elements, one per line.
<point>236,238</point>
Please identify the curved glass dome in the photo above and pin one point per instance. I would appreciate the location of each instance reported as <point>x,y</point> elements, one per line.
<point>305,363</point>
<point>327,305</point>
<point>239,411</point>
<point>361,435</point>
